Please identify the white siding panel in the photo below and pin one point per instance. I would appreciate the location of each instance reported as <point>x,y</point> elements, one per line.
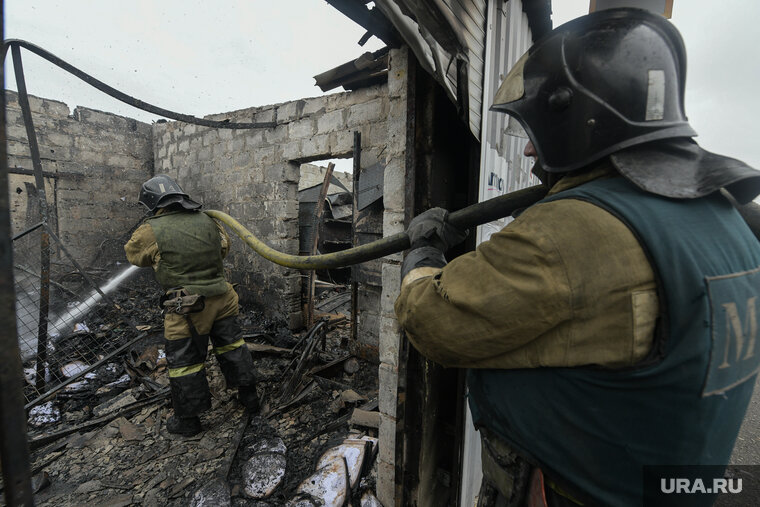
<point>503,168</point>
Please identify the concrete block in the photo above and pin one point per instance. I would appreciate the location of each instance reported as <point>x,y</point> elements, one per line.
<point>315,146</point>
<point>301,129</point>
<point>397,73</point>
<point>291,150</point>
<point>386,483</point>
<point>16,133</point>
<point>291,173</point>
<point>275,136</point>
<point>378,134</point>
<point>388,389</point>
<point>393,222</point>
<point>314,105</point>
<point>210,137</point>
<point>289,111</point>
<point>254,138</point>
<point>243,159</point>
<point>264,116</point>
<point>387,436</point>
<point>274,173</point>
<point>205,154</point>
<point>263,156</point>
<point>361,114</point>
<point>394,184</point>
<point>331,122</point>
<point>389,341</point>
<point>391,276</point>
<point>120,161</point>
<point>238,144</point>
<point>342,142</point>
<point>397,111</point>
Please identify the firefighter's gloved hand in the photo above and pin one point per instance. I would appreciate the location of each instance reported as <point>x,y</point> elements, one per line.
<point>432,229</point>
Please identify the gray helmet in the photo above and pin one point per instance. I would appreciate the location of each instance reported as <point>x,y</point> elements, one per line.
<point>160,191</point>
<point>612,84</point>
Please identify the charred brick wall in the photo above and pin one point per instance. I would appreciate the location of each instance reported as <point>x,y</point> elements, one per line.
<point>253,176</point>
<point>94,163</point>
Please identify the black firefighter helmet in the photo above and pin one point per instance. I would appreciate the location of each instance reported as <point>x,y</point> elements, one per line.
<point>161,191</point>
<point>612,84</point>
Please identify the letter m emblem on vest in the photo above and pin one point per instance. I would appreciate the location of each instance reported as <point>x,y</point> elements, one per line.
<point>734,305</point>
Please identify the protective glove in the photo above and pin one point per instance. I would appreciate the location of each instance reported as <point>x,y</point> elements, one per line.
<point>433,230</point>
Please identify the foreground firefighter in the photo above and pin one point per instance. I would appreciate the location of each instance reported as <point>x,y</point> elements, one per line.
<point>612,325</point>
<point>185,248</point>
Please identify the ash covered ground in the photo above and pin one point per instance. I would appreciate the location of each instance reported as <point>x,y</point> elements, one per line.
<point>104,440</point>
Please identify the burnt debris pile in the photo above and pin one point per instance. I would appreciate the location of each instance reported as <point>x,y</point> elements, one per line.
<point>103,440</point>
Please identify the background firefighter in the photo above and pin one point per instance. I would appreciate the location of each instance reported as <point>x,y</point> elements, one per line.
<point>607,328</point>
<point>185,247</point>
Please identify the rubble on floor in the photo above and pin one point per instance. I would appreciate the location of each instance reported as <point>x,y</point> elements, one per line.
<point>103,440</point>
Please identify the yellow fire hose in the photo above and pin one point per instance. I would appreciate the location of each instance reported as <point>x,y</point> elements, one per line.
<point>476,214</point>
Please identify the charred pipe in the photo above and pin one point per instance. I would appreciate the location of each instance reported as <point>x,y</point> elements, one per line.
<point>471,216</point>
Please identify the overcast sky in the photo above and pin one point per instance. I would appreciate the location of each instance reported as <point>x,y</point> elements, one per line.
<point>200,57</point>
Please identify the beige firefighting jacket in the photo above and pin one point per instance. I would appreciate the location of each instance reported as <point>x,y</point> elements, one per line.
<point>565,284</point>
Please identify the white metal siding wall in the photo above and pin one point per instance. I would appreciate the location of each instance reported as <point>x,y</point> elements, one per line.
<point>503,168</point>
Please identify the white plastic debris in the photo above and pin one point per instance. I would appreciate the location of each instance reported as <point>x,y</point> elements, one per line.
<point>77,387</point>
<point>263,473</point>
<point>122,381</point>
<point>81,327</point>
<point>73,368</point>
<point>30,374</point>
<point>354,452</point>
<point>46,413</point>
<point>328,484</point>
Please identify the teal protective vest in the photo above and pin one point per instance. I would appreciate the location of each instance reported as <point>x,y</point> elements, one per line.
<point>593,429</point>
<point>191,252</point>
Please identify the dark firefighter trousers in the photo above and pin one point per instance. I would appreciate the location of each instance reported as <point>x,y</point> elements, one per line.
<point>186,354</point>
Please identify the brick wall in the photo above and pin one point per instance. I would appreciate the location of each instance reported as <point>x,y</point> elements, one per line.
<point>389,333</point>
<point>253,175</point>
<point>96,162</point>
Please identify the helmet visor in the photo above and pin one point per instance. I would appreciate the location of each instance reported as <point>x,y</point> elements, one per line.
<point>513,86</point>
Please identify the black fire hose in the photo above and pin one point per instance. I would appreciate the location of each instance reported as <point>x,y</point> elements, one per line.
<point>476,214</point>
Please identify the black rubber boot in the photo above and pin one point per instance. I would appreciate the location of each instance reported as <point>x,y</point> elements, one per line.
<point>249,398</point>
<point>185,426</point>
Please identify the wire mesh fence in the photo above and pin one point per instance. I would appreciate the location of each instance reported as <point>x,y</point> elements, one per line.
<point>83,325</point>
